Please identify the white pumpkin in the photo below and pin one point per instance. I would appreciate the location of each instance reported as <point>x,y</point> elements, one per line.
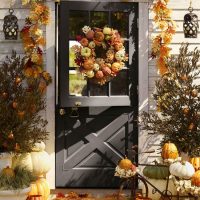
<point>41,162</point>
<point>39,146</point>
<point>37,161</point>
<point>182,169</point>
<point>23,160</point>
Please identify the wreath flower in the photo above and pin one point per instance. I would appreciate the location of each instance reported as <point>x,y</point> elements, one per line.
<point>101,54</point>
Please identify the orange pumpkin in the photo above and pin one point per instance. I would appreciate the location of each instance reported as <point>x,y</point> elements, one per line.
<point>196,178</point>
<point>88,64</point>
<point>34,197</point>
<point>169,151</point>
<point>40,187</point>
<point>99,74</point>
<point>116,66</point>
<point>195,161</point>
<point>9,172</point>
<point>106,70</point>
<point>125,163</point>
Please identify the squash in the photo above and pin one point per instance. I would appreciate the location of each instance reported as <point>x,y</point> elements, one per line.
<point>40,187</point>
<point>34,197</point>
<point>37,161</point>
<point>8,172</point>
<point>41,162</point>
<point>156,172</point>
<point>195,161</point>
<point>169,151</point>
<point>182,169</point>
<point>125,163</point>
<point>196,179</point>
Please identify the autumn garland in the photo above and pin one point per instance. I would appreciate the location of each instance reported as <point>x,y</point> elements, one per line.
<point>34,42</point>
<point>160,43</point>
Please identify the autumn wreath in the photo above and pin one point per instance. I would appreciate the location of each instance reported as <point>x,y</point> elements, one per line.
<point>100,55</point>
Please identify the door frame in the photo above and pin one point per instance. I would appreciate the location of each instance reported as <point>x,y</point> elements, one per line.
<point>52,96</point>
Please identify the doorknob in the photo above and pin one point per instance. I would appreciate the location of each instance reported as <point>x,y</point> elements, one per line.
<point>62,111</point>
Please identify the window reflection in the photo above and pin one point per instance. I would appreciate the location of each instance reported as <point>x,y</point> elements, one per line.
<point>77,84</point>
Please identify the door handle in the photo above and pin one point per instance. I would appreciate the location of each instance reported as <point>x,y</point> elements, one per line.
<point>62,111</point>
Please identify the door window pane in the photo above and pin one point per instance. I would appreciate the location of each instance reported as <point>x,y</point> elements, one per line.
<point>77,20</point>
<point>99,19</point>
<point>98,90</point>
<point>77,84</point>
<point>120,21</point>
<point>119,84</point>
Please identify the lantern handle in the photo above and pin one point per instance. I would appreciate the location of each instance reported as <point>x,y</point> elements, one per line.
<point>190,9</point>
<point>11,11</point>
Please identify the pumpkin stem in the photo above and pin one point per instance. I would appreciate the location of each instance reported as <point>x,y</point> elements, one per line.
<point>156,162</point>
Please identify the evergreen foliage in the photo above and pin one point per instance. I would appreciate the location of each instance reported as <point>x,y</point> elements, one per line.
<point>21,102</point>
<point>178,103</point>
<point>21,180</point>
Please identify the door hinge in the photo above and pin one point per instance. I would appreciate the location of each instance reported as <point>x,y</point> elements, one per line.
<point>137,22</point>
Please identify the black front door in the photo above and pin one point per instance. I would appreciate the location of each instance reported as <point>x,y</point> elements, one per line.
<point>91,140</point>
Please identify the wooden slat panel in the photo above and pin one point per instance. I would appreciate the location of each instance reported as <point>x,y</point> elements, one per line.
<point>182,4</point>
<point>177,14</point>
<point>179,27</point>
<point>21,13</point>
<point>179,38</point>
<point>16,4</point>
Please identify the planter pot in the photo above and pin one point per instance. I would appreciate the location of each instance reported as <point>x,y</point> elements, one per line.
<point>14,194</point>
<point>5,160</point>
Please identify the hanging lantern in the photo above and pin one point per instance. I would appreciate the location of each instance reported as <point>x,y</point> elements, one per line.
<point>190,24</point>
<point>10,26</point>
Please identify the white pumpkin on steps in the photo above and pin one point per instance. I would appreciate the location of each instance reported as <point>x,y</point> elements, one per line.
<point>37,161</point>
<point>182,169</point>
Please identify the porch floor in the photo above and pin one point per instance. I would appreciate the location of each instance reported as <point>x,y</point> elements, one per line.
<point>98,193</point>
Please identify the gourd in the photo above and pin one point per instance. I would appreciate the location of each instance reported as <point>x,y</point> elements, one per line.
<point>37,161</point>
<point>125,163</point>
<point>169,151</point>
<point>40,187</point>
<point>40,160</point>
<point>182,169</point>
<point>34,197</point>
<point>195,161</point>
<point>156,172</point>
<point>8,172</point>
<point>196,179</point>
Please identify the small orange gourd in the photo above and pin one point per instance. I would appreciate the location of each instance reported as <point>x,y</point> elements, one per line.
<point>169,151</point>
<point>40,187</point>
<point>125,163</point>
<point>196,178</point>
<point>195,161</point>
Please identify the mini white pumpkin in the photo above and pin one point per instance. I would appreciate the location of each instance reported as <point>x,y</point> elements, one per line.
<point>39,146</point>
<point>182,169</point>
<point>37,161</point>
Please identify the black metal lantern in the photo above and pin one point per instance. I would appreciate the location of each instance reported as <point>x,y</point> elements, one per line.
<point>190,24</point>
<point>10,26</point>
